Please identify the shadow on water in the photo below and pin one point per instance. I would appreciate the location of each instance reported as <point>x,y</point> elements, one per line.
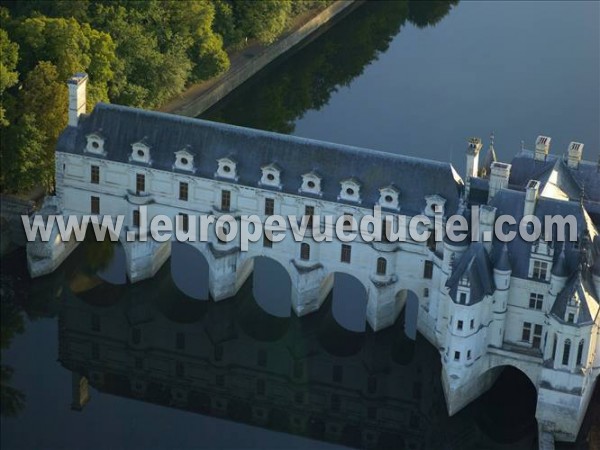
<point>274,99</point>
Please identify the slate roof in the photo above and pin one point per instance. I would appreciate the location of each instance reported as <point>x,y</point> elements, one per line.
<point>579,286</point>
<point>475,265</point>
<point>253,149</point>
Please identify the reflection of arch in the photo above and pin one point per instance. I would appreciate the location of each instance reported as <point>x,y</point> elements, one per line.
<point>271,284</point>
<point>507,410</point>
<point>335,339</point>
<point>408,301</point>
<point>349,304</point>
<point>189,270</point>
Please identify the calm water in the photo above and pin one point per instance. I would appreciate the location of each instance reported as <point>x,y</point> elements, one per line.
<point>394,76</point>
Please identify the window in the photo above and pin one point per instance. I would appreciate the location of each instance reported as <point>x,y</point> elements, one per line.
<point>95,322</point>
<point>537,336</point>
<point>95,205</point>
<point>425,292</point>
<point>580,352</point>
<point>536,301</point>
<point>462,298</point>
<point>566,353</point>
<point>381,266</point>
<point>540,270</point>
<point>183,222</point>
<point>183,191</point>
<point>140,183</point>
<point>136,218</point>
<point>346,253</point>
<point>468,354</point>
<point>95,174</point>
<point>526,335</point>
<point>338,374</point>
<point>180,341</point>
<point>348,222</point>
<point>456,356</point>
<point>431,242</point>
<point>571,318</point>
<point>225,200</point>
<point>459,325</point>
<point>472,324</point>
<point>269,206</point>
<point>309,212</point>
<point>554,347</point>
<point>266,241</point>
<point>261,358</point>
<point>304,251</point>
<point>428,270</point>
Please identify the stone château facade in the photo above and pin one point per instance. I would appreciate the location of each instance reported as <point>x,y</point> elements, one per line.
<point>484,305</point>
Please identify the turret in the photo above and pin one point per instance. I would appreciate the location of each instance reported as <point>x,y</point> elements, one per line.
<point>559,274</point>
<point>77,97</point>
<point>502,274</point>
<point>473,150</point>
<point>490,157</point>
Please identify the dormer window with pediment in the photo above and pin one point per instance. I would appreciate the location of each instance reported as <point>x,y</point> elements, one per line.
<point>271,176</point>
<point>463,295</point>
<point>311,183</point>
<point>226,168</point>
<point>140,152</point>
<point>184,160</point>
<point>388,197</point>
<point>540,261</point>
<point>350,190</point>
<point>434,204</point>
<point>95,144</point>
<point>572,309</point>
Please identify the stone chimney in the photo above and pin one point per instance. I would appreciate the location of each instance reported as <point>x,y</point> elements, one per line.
<point>542,148</point>
<point>473,150</point>
<point>77,97</point>
<point>500,172</point>
<point>532,192</point>
<point>574,154</point>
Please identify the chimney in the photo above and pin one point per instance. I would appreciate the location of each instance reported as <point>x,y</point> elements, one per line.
<point>500,172</point>
<point>531,195</point>
<point>575,154</point>
<point>473,150</point>
<point>542,148</point>
<point>77,97</point>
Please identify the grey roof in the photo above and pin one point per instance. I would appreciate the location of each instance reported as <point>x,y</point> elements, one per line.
<point>579,287</point>
<point>476,267</point>
<point>502,261</point>
<point>252,149</point>
<point>560,268</point>
<point>511,203</point>
<point>490,157</point>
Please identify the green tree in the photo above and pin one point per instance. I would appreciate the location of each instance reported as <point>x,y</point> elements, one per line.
<point>264,20</point>
<point>9,55</point>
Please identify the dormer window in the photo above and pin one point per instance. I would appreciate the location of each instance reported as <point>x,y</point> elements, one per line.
<point>140,152</point>
<point>311,183</point>
<point>184,160</point>
<point>350,190</point>
<point>434,204</point>
<point>227,168</point>
<point>271,176</point>
<point>388,197</point>
<point>95,144</point>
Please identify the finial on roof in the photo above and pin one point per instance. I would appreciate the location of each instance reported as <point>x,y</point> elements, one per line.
<point>492,138</point>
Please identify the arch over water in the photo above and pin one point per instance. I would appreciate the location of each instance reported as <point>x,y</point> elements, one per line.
<point>408,302</point>
<point>506,412</point>
<point>349,302</point>
<point>189,270</point>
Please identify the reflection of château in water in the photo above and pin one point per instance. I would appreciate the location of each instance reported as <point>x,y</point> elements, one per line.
<point>231,360</point>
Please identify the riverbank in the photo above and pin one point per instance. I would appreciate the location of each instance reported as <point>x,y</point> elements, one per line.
<point>247,62</point>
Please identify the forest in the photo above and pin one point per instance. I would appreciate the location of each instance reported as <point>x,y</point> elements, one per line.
<point>136,53</point>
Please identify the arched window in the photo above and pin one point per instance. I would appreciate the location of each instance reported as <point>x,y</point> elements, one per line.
<point>580,352</point>
<point>554,347</point>
<point>566,353</point>
<point>381,266</point>
<point>304,251</point>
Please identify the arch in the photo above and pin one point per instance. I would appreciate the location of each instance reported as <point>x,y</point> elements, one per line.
<point>407,301</point>
<point>189,270</point>
<point>506,412</point>
<point>381,266</point>
<point>305,251</point>
<point>349,303</point>
<point>566,354</point>
<point>271,284</point>
<point>580,348</point>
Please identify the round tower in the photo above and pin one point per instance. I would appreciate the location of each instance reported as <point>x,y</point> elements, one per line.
<point>502,274</point>
<point>559,273</point>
